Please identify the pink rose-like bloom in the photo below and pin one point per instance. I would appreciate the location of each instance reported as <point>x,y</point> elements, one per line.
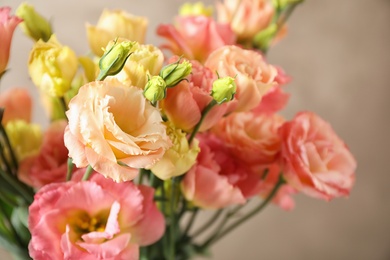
<point>7,27</point>
<point>246,17</point>
<point>283,196</point>
<point>218,180</point>
<point>96,219</point>
<point>253,76</point>
<point>114,129</point>
<point>17,103</point>
<point>316,161</point>
<point>50,165</point>
<point>251,137</point>
<point>185,102</point>
<point>195,37</point>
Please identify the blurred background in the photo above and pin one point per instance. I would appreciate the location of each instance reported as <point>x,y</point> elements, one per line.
<point>337,53</point>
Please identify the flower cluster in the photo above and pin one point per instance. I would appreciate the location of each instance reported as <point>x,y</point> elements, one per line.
<point>141,135</point>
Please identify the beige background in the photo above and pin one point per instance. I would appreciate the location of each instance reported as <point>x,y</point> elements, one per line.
<point>338,54</point>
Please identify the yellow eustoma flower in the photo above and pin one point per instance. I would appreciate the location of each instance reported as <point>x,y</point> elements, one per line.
<point>52,66</point>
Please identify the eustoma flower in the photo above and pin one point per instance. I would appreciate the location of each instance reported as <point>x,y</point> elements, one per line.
<point>316,161</point>
<point>113,24</point>
<point>52,66</point>
<point>50,164</point>
<point>114,129</point>
<point>246,17</point>
<point>194,96</point>
<point>253,75</point>
<point>218,179</point>
<point>17,104</point>
<point>7,26</point>
<point>195,37</point>
<point>96,219</point>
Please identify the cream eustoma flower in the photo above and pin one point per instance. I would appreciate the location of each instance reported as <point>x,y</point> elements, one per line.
<point>52,66</point>
<point>114,129</point>
<point>179,158</point>
<point>113,24</point>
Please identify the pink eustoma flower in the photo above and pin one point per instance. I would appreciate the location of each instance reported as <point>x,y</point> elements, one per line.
<point>195,37</point>
<point>217,179</point>
<point>96,219</point>
<point>315,160</point>
<point>253,75</point>
<point>17,104</point>
<point>185,102</point>
<point>7,27</point>
<point>50,165</point>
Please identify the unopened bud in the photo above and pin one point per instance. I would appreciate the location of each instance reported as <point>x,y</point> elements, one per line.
<point>34,25</point>
<point>263,39</point>
<point>175,72</point>
<point>114,58</point>
<point>224,89</point>
<point>155,89</point>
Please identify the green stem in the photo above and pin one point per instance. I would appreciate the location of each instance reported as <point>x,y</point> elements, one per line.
<point>172,224</point>
<point>70,169</point>
<point>10,227</point>
<point>9,147</point>
<point>190,222</point>
<point>87,173</point>
<point>23,190</point>
<point>164,211</point>
<point>204,113</point>
<point>63,104</point>
<point>207,225</point>
<point>255,211</point>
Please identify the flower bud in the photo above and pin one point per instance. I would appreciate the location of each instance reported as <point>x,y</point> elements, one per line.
<point>224,89</point>
<point>155,89</point>
<point>175,72</point>
<point>34,25</point>
<point>114,58</point>
<point>195,9</point>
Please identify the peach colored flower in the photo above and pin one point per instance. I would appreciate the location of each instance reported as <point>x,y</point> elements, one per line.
<point>315,160</point>
<point>253,76</point>
<point>114,129</point>
<point>113,24</point>
<point>195,37</point>
<point>96,219</point>
<point>50,165</point>
<point>17,103</point>
<point>218,180</point>
<point>185,102</point>
<point>246,17</point>
<point>7,27</point>
<point>251,137</point>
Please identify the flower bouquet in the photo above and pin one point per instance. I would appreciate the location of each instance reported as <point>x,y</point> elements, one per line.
<point>143,139</point>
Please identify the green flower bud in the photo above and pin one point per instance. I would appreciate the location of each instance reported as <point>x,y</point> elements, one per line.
<point>34,25</point>
<point>281,4</point>
<point>114,58</point>
<point>224,89</point>
<point>175,72</point>
<point>156,89</point>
